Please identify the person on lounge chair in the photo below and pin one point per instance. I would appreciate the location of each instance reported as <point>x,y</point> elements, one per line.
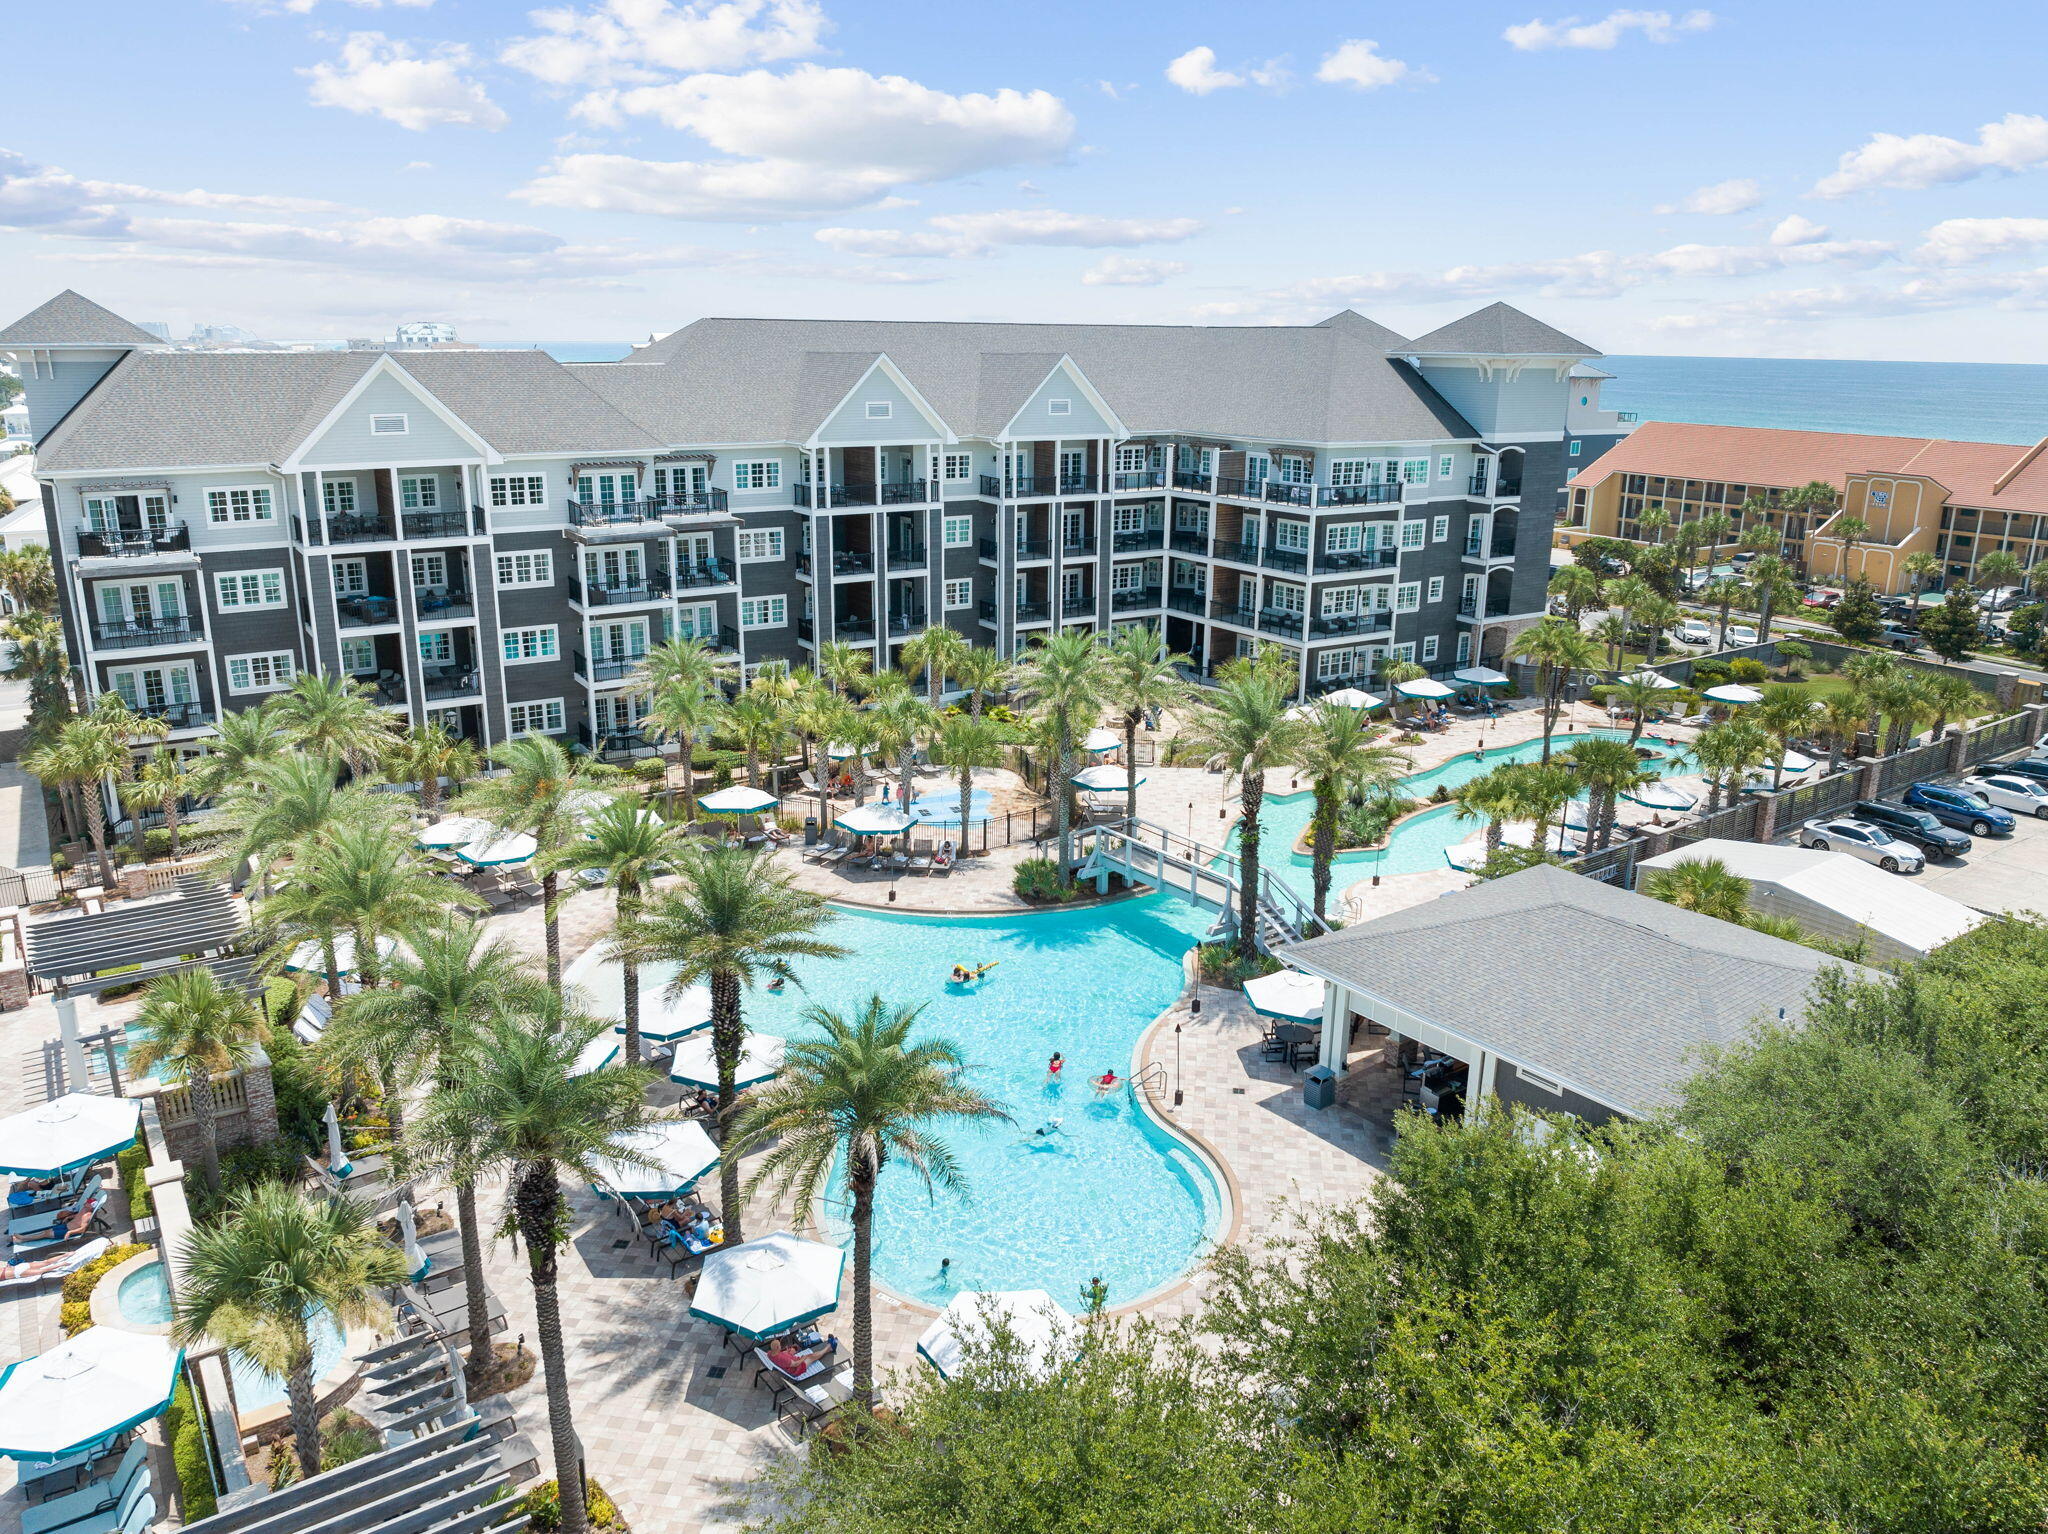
<point>774,835</point>
<point>797,1362</point>
<point>14,1270</point>
<point>29,1190</point>
<point>66,1226</point>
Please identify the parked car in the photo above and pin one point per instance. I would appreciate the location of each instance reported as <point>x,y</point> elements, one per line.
<point>1861,839</point>
<point>1822,596</point>
<point>1899,638</point>
<point>2035,767</point>
<point>1743,558</point>
<point>1959,807</point>
<point>2000,599</point>
<point>2007,790</point>
<point>1741,633</point>
<point>1695,631</point>
<point>1910,825</point>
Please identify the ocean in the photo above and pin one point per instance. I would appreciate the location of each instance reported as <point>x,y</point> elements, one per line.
<point>565,351</point>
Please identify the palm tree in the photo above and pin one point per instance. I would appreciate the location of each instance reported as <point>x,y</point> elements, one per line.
<point>1710,531</point>
<point>686,712</point>
<point>1727,753</point>
<point>1544,789</point>
<point>1609,769</point>
<point>936,652</point>
<point>1064,680</point>
<point>1905,701</point>
<point>1770,583</point>
<point>427,753</point>
<point>863,1096</point>
<point>823,719</point>
<point>441,986</point>
<point>1998,568</point>
<point>1338,757</point>
<point>189,1031</point>
<point>1722,595</point>
<point>968,744</point>
<point>1950,697</point>
<point>285,802</point>
<point>1918,567</point>
<point>1783,714</point>
<point>1852,531</point>
<point>761,723</point>
<point>162,783</point>
<point>1654,520</point>
<point>1244,727</point>
<point>1577,587</point>
<point>900,719</point>
<point>241,742</point>
<point>28,577</point>
<point>1639,698</point>
<point>846,668</point>
<point>112,714</point>
<point>41,659</point>
<point>1839,721</point>
<point>535,795</point>
<point>984,674</point>
<point>632,845</point>
<point>1655,615</point>
<point>86,755</point>
<point>1701,884</point>
<point>730,919</point>
<point>1393,675</point>
<point>255,1279</point>
<point>1626,593</point>
<point>517,1104</point>
<point>1559,649</point>
<point>1494,797</point>
<point>1140,680</point>
<point>333,716</point>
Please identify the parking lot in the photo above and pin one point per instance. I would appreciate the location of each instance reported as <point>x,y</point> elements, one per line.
<point>2001,873</point>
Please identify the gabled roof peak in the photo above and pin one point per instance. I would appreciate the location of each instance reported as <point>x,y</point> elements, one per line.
<point>1498,330</point>
<point>72,319</point>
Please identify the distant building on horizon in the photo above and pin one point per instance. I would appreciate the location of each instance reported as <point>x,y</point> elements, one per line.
<point>424,333</point>
<point>159,328</point>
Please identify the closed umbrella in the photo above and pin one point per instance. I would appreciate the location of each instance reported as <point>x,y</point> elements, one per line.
<point>416,1260</point>
<point>1103,780</point>
<point>1289,995</point>
<point>1100,740</point>
<point>337,1154</point>
<point>677,1153</point>
<point>1046,1335</point>
<point>84,1391</point>
<point>71,1131</point>
<point>875,820</point>
<point>1733,692</point>
<point>1425,687</point>
<point>455,831</point>
<point>737,800</point>
<point>764,1287</point>
<point>695,1066</point>
<point>501,849</point>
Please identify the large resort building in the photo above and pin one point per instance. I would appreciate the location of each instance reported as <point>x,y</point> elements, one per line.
<point>492,540</point>
<point>1955,500</point>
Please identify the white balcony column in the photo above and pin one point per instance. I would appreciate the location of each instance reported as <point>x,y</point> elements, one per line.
<point>69,1033</point>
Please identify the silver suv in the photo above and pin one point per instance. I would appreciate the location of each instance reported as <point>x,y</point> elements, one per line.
<point>1861,839</point>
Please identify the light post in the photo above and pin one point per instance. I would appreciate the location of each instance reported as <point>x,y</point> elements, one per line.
<point>1176,1062</point>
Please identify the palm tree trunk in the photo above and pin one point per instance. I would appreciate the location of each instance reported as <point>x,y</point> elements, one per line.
<point>1323,847</point>
<point>171,819</point>
<point>728,1038</point>
<point>904,773</point>
<point>549,881</point>
<point>863,1191</point>
<point>628,908</point>
<point>1131,767</point>
<point>200,1089</point>
<point>305,1414</point>
<point>966,805</point>
<point>96,827</point>
<point>1062,797</point>
<point>539,1205</point>
<point>478,1297</point>
<point>860,778</point>
<point>1251,797</point>
<point>1494,827</point>
<point>686,758</point>
<point>1763,617</point>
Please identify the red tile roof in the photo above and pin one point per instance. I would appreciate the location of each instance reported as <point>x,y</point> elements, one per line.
<point>1753,455</point>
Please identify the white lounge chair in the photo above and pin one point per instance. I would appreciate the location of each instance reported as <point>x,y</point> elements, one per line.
<point>72,1262</point>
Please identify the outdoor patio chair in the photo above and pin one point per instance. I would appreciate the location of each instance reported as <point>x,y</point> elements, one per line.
<point>70,1265</point>
<point>108,1492</point>
<point>25,1242</point>
<point>56,1477</point>
<point>899,859</point>
<point>1272,1047</point>
<point>921,856</point>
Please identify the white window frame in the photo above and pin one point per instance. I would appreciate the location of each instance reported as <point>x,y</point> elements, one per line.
<point>545,643</point>
<point>436,646</point>
<point>880,409</point>
<point>1464,649</point>
<point>430,570</point>
<point>1408,597</point>
<point>1126,519</point>
<point>1446,465</point>
<point>1414,533</point>
<point>1059,407</point>
<point>222,512</point>
<point>766,542</point>
<point>1404,652</point>
<point>419,492</point>
<point>364,646</point>
<point>1290,534</point>
<point>1342,601</point>
<point>540,568</point>
<point>1346,472</point>
<point>964,526</point>
<point>390,425</point>
<point>519,489</point>
<point>959,594</point>
<point>1429,646</point>
<point>697,618</point>
<point>958,467</point>
<point>1576,447</point>
<point>229,585</point>
<point>1436,589</point>
<point>1439,529</point>
<point>338,497</point>
<point>768,612</point>
<point>1335,663</point>
<point>757,474</point>
<point>265,662</point>
<point>1414,471</point>
<point>1131,460</point>
<point>519,717</point>
<point>1295,471</point>
<point>1344,538</point>
<point>351,577</point>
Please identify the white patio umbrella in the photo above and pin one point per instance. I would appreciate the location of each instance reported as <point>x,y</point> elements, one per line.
<point>84,1391</point>
<point>695,1066</point>
<point>1480,676</point>
<point>500,849</point>
<point>1733,692</point>
<point>455,831</point>
<point>307,958</point>
<point>1799,761</point>
<point>1103,780</point>
<point>586,802</point>
<point>1471,854</point>
<point>1352,697</point>
<point>337,1154</point>
<point>1045,1334</point>
<point>1100,739</point>
<point>416,1260</point>
<point>1656,679</point>
<point>737,800</point>
<point>664,1019</point>
<point>1663,795</point>
<point>1425,687</point>
<point>1288,994</point>
<point>766,1286</point>
<point>74,1130</point>
<point>596,1055</point>
<point>840,751</point>
<point>680,1150</point>
<point>877,819</point>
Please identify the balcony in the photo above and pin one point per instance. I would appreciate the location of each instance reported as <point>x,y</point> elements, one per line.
<point>1022,485</point>
<point>179,716</point>
<point>834,496</point>
<point>1135,542</point>
<point>906,620</point>
<point>1080,484</point>
<point>1357,559</point>
<point>806,631</point>
<point>1278,620</point>
<point>1289,495</point>
<point>1235,612</point>
<point>452,603</point>
<point>612,742</point>
<point>1501,548</point>
<point>606,668</point>
<point>1183,600</point>
<point>448,523</point>
<point>1132,601</point>
<point>853,562</point>
<point>909,556</point>
<point>1496,607</point>
<point>360,527</point>
<point>1203,483</point>
<point>178,629</point>
<point>652,588</point>
<point>365,609</point>
<point>691,575</point>
<point>1240,489</point>
<point>1239,553</point>
<point>1188,543</point>
<point>611,513</point>
<point>1034,548</point>
<point>1503,489</point>
<point>1294,561</point>
<point>1078,607</point>
<point>852,629</point>
<point>454,680</point>
<point>1138,479</point>
<point>1344,625</point>
<point>1077,548</point>
<point>1034,612</point>
<point>133,542</point>
<point>904,492</point>
<point>1359,495</point>
<point>687,503</point>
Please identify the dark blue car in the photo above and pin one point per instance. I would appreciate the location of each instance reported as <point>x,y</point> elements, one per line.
<point>1959,807</point>
<point>2027,767</point>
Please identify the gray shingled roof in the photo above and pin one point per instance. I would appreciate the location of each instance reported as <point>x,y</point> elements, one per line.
<point>526,402</point>
<point>1498,330</point>
<point>1613,992</point>
<point>741,380</point>
<point>71,319</point>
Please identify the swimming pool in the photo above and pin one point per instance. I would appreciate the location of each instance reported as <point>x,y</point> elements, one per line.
<point>943,809</point>
<point>145,1299</point>
<point>1111,1192</point>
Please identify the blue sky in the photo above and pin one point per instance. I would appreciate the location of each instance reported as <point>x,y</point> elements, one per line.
<point>1726,180</point>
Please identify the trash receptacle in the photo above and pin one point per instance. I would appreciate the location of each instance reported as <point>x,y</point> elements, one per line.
<point>810,830</point>
<point>1319,1087</point>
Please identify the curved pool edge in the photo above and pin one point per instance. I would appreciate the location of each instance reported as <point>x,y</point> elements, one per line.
<point>106,1297</point>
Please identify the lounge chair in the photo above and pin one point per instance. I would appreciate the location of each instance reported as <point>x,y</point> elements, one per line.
<point>816,1394</point>
<point>61,1189</point>
<point>95,1210</point>
<point>921,857</point>
<point>54,1478</point>
<point>72,1262</point>
<point>105,1495</point>
<point>899,859</point>
<point>42,1219</point>
<point>313,1019</point>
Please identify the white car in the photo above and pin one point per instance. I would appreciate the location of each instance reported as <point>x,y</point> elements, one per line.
<point>1695,631</point>
<point>1741,633</point>
<point>2023,796</point>
<point>1861,839</point>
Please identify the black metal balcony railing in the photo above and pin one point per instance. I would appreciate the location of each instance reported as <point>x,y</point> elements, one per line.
<point>599,593</point>
<point>1240,489</point>
<point>171,538</point>
<point>1235,612</point>
<point>903,491</point>
<point>179,716</point>
<point>906,556</point>
<point>1138,539</point>
<point>1239,553</point>
<point>1477,484</point>
<point>687,503</point>
<point>1357,559</point>
<point>177,629</point>
<point>1077,548</point>
<point>1138,479</point>
<point>1183,600</point>
<point>363,609</point>
<point>605,668</point>
<point>1080,484</point>
<point>1077,606</point>
<point>1278,620</point>
<point>849,626</point>
<point>1290,494</point>
<point>1033,612</point>
<point>1201,482</point>
<point>1034,548</point>
<point>452,603</point>
<point>359,527</point>
<point>1496,607</point>
<point>806,630</point>
<point>861,493</point>
<point>906,620</point>
<point>611,742</point>
<point>459,680</point>
<point>1508,487</point>
<point>1134,599</point>
<point>1189,543</point>
<point>987,610</point>
<point>1340,624</point>
<point>692,574</point>
<point>1295,561</point>
<point>612,513</point>
<point>1359,495</point>
<point>854,562</point>
<point>448,522</point>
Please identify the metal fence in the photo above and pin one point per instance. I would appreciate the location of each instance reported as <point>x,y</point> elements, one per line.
<point>1736,822</point>
<point>1901,768</point>
<point>1984,741</point>
<point>1823,796</point>
<point>29,886</point>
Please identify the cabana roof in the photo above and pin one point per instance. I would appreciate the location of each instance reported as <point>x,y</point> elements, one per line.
<point>201,921</point>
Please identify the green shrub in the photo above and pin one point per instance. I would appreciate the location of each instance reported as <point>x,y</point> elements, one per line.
<point>1221,965</point>
<point>1712,671</point>
<point>1748,669</point>
<point>543,1507</point>
<point>132,1165</point>
<point>650,769</point>
<point>75,1313</point>
<point>156,842</point>
<point>344,1438</point>
<point>189,1454</point>
<point>1793,656</point>
<point>1038,880</point>
<point>303,1086</point>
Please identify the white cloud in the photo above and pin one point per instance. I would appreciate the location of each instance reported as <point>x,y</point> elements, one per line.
<point>302,7</point>
<point>808,142</point>
<point>382,77</point>
<point>1796,229</point>
<point>1131,272</point>
<point>1195,71</point>
<point>2016,142</point>
<point>1360,64</point>
<point>412,166</point>
<point>1571,32</point>
<point>1734,196</point>
<point>977,234</point>
<point>1959,241</point>
<point>636,41</point>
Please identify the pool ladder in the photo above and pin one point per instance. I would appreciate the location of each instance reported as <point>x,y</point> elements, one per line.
<point>1153,1074</point>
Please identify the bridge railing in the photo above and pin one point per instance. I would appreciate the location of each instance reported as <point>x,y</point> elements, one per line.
<point>1277,901</point>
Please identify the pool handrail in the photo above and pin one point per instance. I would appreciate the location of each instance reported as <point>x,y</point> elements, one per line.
<point>1292,917</point>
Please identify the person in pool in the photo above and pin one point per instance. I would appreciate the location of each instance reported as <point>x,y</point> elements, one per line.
<point>1107,1081</point>
<point>1056,1064</point>
<point>962,975</point>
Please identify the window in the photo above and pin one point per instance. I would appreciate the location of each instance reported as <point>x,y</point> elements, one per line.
<point>530,568</point>
<point>959,593</point>
<point>529,644</point>
<point>1343,538</point>
<point>1575,447</point>
<point>959,465</point>
<point>764,612</point>
<point>1059,407</point>
<point>1407,596</point>
<point>351,577</point>
<point>358,656</point>
<point>1414,471</point>
<point>959,532</point>
<point>260,673</point>
<point>518,489</point>
<point>430,570</point>
<point>1436,588</point>
<point>1404,652</point>
<point>1464,648</point>
<point>1469,599</point>
<point>387,426</point>
<point>1290,535</point>
<point>249,504</point>
<point>419,493</point>
<point>1334,663</point>
<point>762,474</point>
<point>1340,601</point>
<point>245,590</point>
<point>880,410</point>
<point>698,620</point>
<point>757,544</point>
<point>338,496</point>
<point>1135,576</point>
<point>437,645</point>
<point>1444,465</point>
<point>1439,529</point>
<point>1540,1083</point>
<point>538,718</point>
<point>1294,471</point>
<point>1413,533</point>
<point>1429,647</point>
<point>1348,471</point>
<point>1130,460</point>
<point>1127,519</point>
<point>1257,466</point>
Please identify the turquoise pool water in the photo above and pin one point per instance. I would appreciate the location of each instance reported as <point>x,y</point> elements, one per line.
<point>943,810</point>
<point>145,1298</point>
<point>1418,844</point>
<point>1110,1193</point>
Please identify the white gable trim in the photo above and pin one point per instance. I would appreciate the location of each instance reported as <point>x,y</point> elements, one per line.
<point>940,430</point>
<point>1088,390</point>
<point>386,367</point>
